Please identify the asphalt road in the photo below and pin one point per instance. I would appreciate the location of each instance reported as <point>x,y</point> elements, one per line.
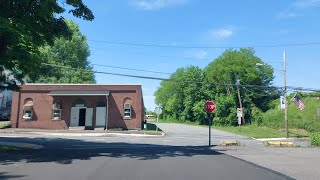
<point>182,154</point>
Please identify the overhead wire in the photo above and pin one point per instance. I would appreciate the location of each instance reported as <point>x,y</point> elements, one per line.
<point>203,47</point>
<point>173,80</point>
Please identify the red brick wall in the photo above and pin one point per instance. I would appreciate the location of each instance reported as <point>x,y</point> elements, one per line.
<point>42,105</point>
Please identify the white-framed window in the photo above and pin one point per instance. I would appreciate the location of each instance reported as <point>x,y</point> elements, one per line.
<point>27,114</point>
<point>56,111</point>
<point>27,109</point>
<point>127,110</point>
<point>56,114</point>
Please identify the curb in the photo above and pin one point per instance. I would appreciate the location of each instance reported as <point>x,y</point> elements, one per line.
<point>98,134</point>
<point>280,144</point>
<point>229,143</point>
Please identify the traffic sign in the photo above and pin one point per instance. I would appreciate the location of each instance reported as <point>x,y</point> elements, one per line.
<point>158,110</point>
<point>239,112</point>
<point>209,107</point>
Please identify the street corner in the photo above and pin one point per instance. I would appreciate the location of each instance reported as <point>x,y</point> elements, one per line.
<point>229,143</point>
<point>280,144</point>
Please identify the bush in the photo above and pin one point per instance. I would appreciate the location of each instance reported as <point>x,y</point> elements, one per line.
<point>315,139</point>
<point>257,116</point>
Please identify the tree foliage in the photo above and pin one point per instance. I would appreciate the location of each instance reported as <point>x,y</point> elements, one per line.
<point>25,25</point>
<point>184,95</point>
<point>67,52</point>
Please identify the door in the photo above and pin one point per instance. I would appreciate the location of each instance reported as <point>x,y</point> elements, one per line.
<point>82,117</point>
<point>101,116</point>
<point>74,117</point>
<point>89,115</point>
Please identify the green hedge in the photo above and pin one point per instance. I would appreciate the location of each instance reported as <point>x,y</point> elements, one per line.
<point>315,139</point>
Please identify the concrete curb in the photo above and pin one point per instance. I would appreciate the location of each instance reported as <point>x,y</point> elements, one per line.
<point>22,145</point>
<point>97,134</point>
<point>229,143</point>
<point>280,144</point>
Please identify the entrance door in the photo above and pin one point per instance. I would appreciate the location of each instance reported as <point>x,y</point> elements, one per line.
<point>74,117</point>
<point>101,116</point>
<point>82,117</point>
<point>89,115</point>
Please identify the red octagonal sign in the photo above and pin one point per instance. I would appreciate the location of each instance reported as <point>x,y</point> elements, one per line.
<point>210,107</point>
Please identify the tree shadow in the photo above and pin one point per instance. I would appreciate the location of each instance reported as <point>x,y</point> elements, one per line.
<point>4,175</point>
<point>65,151</point>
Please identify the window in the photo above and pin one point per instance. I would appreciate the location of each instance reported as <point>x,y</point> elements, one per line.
<point>27,109</point>
<point>127,111</point>
<point>27,114</point>
<point>56,114</point>
<point>56,111</point>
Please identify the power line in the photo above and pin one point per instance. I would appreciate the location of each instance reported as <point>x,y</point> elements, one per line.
<point>204,47</point>
<point>117,67</point>
<point>179,81</point>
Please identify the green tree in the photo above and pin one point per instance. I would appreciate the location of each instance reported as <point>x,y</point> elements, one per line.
<point>68,52</point>
<point>241,66</point>
<point>26,25</point>
<point>179,95</point>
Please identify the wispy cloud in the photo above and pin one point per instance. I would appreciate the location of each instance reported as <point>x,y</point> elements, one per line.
<point>222,33</point>
<point>200,54</point>
<point>297,8</point>
<point>156,4</point>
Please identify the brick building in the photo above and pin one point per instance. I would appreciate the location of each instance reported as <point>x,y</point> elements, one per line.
<point>89,106</point>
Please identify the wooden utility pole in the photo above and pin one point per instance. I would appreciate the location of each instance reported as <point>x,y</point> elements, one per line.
<point>285,93</point>
<point>240,102</point>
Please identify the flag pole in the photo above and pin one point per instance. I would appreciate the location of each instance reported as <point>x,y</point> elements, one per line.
<point>285,93</point>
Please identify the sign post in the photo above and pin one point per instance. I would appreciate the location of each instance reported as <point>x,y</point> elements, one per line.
<point>239,115</point>
<point>158,111</point>
<point>209,107</point>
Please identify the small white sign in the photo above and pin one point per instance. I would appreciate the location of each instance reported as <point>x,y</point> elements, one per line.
<point>282,102</point>
<point>158,110</point>
<point>239,112</point>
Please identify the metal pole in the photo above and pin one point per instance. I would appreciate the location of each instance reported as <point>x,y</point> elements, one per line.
<point>209,119</point>
<point>157,122</point>
<point>285,93</point>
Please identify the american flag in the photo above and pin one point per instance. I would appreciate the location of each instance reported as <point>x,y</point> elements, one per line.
<point>298,102</point>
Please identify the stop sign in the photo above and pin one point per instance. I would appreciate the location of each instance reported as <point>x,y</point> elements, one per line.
<point>209,107</point>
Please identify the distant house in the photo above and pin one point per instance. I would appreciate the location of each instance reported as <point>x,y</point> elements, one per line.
<point>87,106</point>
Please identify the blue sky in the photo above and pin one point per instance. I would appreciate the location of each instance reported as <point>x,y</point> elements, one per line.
<point>201,23</point>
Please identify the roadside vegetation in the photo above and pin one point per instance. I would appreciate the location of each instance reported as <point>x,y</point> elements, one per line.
<point>183,96</point>
<point>5,124</point>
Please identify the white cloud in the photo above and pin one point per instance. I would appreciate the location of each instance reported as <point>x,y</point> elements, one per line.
<point>297,7</point>
<point>221,33</point>
<point>200,54</point>
<point>157,4</point>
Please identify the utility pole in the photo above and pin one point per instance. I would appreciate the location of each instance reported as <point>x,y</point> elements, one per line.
<point>285,93</point>
<point>240,102</point>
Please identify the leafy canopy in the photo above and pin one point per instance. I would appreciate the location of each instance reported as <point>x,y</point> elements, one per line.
<point>72,52</point>
<point>25,25</point>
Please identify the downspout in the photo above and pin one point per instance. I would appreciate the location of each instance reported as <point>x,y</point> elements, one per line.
<point>107,113</point>
<point>18,110</point>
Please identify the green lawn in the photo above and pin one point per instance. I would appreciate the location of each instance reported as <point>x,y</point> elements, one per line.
<point>152,127</point>
<point>262,132</point>
<point>252,130</point>
<point>5,124</point>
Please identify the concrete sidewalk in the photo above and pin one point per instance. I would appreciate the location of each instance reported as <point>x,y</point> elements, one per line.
<point>81,133</point>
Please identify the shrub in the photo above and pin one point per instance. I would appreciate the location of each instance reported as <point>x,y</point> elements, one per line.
<point>315,139</point>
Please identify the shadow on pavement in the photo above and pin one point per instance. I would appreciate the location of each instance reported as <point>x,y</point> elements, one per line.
<point>4,175</point>
<point>65,151</point>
